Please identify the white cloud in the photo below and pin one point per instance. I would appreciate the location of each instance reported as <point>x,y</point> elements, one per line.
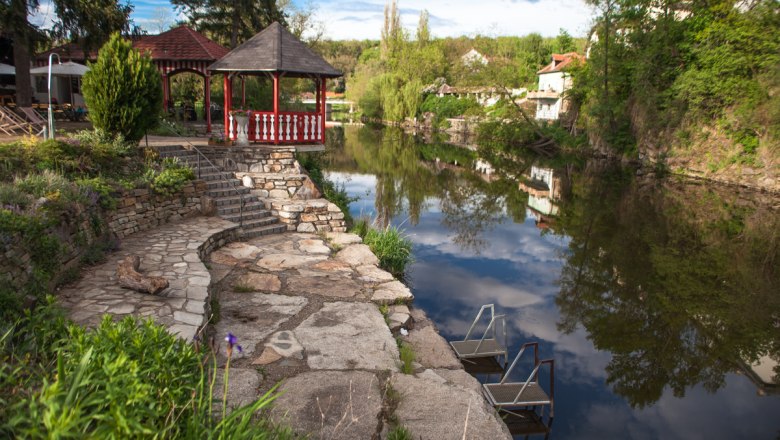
<point>449,18</point>
<point>43,16</point>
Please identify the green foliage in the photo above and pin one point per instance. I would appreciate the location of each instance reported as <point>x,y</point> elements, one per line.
<point>123,90</point>
<point>123,379</point>
<point>391,247</point>
<point>399,433</point>
<point>653,73</point>
<point>360,227</point>
<point>407,356</point>
<point>171,178</point>
<point>448,106</point>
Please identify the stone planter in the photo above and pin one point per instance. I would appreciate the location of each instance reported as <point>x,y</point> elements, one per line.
<point>242,124</point>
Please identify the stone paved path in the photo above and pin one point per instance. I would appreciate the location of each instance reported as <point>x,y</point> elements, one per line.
<point>306,309</point>
<point>172,251</point>
<point>312,312</point>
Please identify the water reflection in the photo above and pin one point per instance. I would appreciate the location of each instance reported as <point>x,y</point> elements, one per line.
<point>655,297</point>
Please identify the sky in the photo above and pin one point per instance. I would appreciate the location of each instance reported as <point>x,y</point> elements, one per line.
<point>362,19</point>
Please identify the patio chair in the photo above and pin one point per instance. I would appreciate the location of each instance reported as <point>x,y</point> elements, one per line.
<point>12,124</point>
<point>506,395</point>
<point>35,120</point>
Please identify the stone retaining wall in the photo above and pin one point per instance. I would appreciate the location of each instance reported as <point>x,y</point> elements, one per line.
<point>253,159</point>
<point>138,210</point>
<point>279,185</point>
<point>316,215</point>
<point>141,209</point>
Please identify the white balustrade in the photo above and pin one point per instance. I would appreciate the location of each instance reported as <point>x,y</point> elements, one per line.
<point>305,127</point>
<point>272,128</point>
<point>319,127</point>
<point>230,130</point>
<point>265,128</point>
<point>257,126</point>
<point>295,127</point>
<point>288,127</point>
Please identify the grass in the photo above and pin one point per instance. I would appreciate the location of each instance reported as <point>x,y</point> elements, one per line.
<point>407,356</point>
<point>399,433</point>
<point>393,249</point>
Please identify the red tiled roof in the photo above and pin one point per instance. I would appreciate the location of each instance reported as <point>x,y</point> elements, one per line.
<point>561,61</point>
<point>181,43</point>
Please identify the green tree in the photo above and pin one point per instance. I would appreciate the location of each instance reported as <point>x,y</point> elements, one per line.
<point>230,22</point>
<point>123,90</point>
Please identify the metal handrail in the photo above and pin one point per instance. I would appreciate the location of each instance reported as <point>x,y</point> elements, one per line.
<point>221,174</point>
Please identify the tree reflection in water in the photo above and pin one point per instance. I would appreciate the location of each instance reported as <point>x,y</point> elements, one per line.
<point>679,282</point>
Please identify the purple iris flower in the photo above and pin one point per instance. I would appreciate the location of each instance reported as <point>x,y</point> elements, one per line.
<point>232,341</point>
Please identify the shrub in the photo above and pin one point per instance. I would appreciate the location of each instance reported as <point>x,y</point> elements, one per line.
<point>124,379</point>
<point>391,247</point>
<point>171,179</point>
<point>123,90</point>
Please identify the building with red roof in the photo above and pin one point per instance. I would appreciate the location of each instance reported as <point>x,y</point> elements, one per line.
<point>553,82</point>
<point>178,50</point>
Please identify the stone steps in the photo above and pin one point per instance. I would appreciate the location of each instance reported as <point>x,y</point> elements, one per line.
<point>228,194</point>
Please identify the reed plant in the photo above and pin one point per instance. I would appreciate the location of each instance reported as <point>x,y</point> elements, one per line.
<point>391,247</point>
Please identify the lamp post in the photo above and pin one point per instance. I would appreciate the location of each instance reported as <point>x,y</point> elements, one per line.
<point>51,114</point>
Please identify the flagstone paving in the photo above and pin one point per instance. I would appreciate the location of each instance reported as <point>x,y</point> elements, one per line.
<point>172,251</point>
<point>306,309</point>
<point>334,352</point>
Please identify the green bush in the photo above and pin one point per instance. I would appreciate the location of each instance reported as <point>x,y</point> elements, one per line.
<point>391,247</point>
<point>125,379</point>
<point>171,179</point>
<point>123,90</point>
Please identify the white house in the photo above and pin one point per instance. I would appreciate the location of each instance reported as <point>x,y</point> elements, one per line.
<point>553,82</point>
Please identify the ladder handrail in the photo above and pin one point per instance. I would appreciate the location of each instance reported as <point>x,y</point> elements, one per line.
<point>533,375</point>
<point>535,345</point>
<point>479,315</point>
<point>489,327</point>
<point>221,174</point>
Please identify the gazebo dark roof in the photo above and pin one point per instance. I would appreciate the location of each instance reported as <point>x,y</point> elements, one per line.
<point>275,49</point>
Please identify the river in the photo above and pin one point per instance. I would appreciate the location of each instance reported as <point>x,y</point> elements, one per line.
<point>659,299</point>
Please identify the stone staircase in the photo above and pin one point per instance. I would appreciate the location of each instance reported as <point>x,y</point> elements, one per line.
<point>227,192</point>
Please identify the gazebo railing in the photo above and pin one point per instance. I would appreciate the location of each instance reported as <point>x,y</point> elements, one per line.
<point>288,127</point>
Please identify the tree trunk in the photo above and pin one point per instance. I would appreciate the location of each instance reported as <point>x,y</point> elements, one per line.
<point>129,277</point>
<point>21,54</point>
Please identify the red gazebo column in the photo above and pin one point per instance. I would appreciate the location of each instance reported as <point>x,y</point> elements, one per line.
<point>323,106</point>
<point>227,89</point>
<point>277,125</point>
<point>207,100</point>
<point>166,92</point>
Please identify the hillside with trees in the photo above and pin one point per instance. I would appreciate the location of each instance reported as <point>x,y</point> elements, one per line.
<point>695,84</point>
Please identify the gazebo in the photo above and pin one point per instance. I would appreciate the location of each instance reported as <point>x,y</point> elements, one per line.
<point>275,53</point>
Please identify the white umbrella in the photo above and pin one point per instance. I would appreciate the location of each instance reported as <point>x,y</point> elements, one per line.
<point>5,69</point>
<point>65,69</point>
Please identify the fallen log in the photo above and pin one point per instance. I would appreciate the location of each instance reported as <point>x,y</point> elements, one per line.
<point>130,278</point>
